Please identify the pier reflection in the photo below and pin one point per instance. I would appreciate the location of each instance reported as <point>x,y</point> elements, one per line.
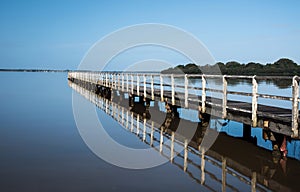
<point>231,164</point>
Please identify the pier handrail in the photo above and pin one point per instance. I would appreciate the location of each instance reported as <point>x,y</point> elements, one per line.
<point>147,85</point>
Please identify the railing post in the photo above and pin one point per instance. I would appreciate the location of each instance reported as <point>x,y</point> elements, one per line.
<point>112,81</point>
<point>106,79</point>
<point>131,122</point>
<point>123,82</point>
<point>152,87</point>
<point>203,98</point>
<point>253,182</point>
<point>138,85</point>
<point>172,146</point>
<point>138,124</point>
<point>161,140</point>
<point>202,166</point>
<point>119,84</point>
<point>295,110</point>
<point>144,130</point>
<point>151,134</point>
<point>127,83</point>
<point>185,155</point>
<point>161,88</point>
<point>186,91</point>
<point>224,113</point>
<point>223,174</point>
<point>132,85</point>
<point>145,87</point>
<point>173,89</point>
<point>127,119</point>
<point>254,101</point>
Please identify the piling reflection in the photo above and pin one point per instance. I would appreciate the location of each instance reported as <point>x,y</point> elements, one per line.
<point>231,164</point>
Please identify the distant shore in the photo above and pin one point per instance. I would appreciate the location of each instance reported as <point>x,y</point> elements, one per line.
<point>282,67</point>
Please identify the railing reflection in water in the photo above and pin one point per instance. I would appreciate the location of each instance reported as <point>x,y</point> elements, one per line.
<point>201,167</point>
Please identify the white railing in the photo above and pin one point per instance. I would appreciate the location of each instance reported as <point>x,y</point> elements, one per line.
<point>164,86</point>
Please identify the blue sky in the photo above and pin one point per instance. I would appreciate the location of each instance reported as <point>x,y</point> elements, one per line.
<point>57,34</point>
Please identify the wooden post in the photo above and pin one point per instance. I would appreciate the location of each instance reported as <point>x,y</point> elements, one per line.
<point>123,122</point>
<point>132,85</point>
<point>224,113</point>
<point>127,119</point>
<point>185,155</point>
<point>138,85</point>
<point>144,130</point>
<point>186,91</point>
<point>113,81</point>
<point>295,110</point>
<point>161,88</point>
<point>106,106</point>
<point>203,109</point>
<point>161,140</point>
<point>119,83</point>
<point>138,124</point>
<point>253,182</point>
<point>172,146</point>
<point>106,79</point>
<point>123,82</point>
<point>152,87</point>
<point>131,128</point>
<point>202,166</point>
<point>254,101</point>
<point>151,134</point>
<point>223,174</point>
<point>127,83</point>
<point>173,89</point>
<point>145,87</point>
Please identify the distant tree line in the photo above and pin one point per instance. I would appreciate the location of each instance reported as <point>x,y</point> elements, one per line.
<point>281,67</point>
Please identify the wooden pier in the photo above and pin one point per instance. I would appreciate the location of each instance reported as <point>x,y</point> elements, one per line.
<point>188,95</point>
<point>224,155</point>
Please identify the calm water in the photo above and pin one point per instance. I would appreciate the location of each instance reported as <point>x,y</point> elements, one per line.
<point>42,150</point>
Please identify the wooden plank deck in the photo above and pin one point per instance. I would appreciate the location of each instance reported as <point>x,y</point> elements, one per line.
<point>277,119</point>
<point>274,118</point>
